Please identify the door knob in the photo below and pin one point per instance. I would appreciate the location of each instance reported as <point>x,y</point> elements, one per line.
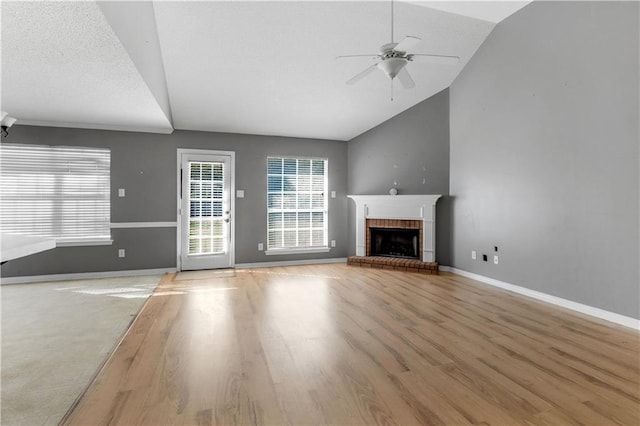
<point>227,220</point>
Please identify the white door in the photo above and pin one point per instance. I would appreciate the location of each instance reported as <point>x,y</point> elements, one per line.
<point>205,210</point>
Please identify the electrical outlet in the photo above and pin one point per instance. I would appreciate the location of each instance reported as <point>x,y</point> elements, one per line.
<point>495,260</point>
<point>485,258</point>
<point>120,252</point>
<point>260,246</point>
<point>473,255</point>
<point>333,243</point>
<point>333,194</point>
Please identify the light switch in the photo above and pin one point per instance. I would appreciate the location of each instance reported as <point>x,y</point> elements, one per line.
<point>333,194</point>
<point>120,192</point>
<point>240,193</point>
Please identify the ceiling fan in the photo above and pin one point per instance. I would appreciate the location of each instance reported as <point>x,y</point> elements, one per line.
<point>394,57</point>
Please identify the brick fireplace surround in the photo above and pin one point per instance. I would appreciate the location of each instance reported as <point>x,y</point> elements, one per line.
<point>399,212</point>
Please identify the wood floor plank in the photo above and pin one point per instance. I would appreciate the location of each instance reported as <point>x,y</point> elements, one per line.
<point>337,345</point>
<point>575,379</point>
<point>433,407</point>
<point>472,406</point>
<point>612,412</point>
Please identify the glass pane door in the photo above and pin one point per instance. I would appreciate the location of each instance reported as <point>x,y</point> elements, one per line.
<point>205,212</point>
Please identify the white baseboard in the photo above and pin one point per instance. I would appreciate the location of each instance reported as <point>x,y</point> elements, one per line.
<point>291,263</point>
<point>122,225</point>
<point>574,306</point>
<point>83,276</point>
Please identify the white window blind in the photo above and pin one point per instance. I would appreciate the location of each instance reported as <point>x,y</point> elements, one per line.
<point>206,221</point>
<point>296,203</point>
<point>54,191</point>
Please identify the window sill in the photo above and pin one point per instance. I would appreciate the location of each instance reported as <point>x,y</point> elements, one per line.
<point>275,252</point>
<point>84,242</point>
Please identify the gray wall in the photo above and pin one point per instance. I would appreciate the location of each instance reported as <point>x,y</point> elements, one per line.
<point>544,153</point>
<point>411,149</point>
<point>145,165</point>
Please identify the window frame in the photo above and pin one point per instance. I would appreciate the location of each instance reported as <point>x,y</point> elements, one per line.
<point>283,250</point>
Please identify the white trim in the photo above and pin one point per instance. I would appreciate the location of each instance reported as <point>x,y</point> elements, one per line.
<point>554,300</point>
<point>121,225</point>
<point>179,209</point>
<point>302,157</point>
<point>143,129</point>
<point>275,252</point>
<point>84,243</point>
<point>84,275</point>
<point>291,263</point>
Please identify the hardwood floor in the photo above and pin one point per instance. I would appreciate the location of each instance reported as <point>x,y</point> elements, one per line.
<point>332,344</point>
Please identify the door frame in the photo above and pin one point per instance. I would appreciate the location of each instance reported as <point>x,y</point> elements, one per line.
<point>232,201</point>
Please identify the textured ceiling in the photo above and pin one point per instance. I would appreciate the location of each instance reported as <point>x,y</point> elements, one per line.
<point>242,67</point>
<point>62,64</point>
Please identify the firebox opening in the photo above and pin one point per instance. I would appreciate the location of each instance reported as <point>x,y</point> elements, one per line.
<point>395,242</point>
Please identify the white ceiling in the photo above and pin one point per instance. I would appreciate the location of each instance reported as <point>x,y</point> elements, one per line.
<point>492,11</point>
<point>264,67</point>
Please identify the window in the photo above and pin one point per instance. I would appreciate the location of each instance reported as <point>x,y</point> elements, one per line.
<point>56,192</point>
<point>296,205</point>
<point>206,226</point>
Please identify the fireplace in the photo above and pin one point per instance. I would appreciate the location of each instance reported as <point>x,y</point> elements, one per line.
<point>395,232</point>
<point>394,242</point>
<point>394,238</point>
<point>397,211</point>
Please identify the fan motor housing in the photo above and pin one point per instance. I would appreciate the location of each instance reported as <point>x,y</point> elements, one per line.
<point>388,51</point>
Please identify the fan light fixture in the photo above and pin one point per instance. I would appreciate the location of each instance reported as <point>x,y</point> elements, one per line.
<point>392,66</point>
<point>393,58</point>
<point>7,121</point>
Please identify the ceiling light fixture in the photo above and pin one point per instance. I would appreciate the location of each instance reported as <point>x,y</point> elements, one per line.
<point>394,57</point>
<point>7,121</point>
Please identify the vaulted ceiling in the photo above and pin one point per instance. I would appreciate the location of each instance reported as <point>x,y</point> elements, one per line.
<point>257,67</point>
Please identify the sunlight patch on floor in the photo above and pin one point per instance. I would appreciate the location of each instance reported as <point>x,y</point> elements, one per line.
<point>205,275</point>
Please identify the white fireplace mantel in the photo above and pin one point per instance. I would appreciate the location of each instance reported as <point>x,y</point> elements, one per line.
<point>412,207</point>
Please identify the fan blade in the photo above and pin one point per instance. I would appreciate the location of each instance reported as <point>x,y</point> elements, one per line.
<point>407,43</point>
<point>435,59</point>
<point>362,75</point>
<point>372,56</point>
<point>405,79</point>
